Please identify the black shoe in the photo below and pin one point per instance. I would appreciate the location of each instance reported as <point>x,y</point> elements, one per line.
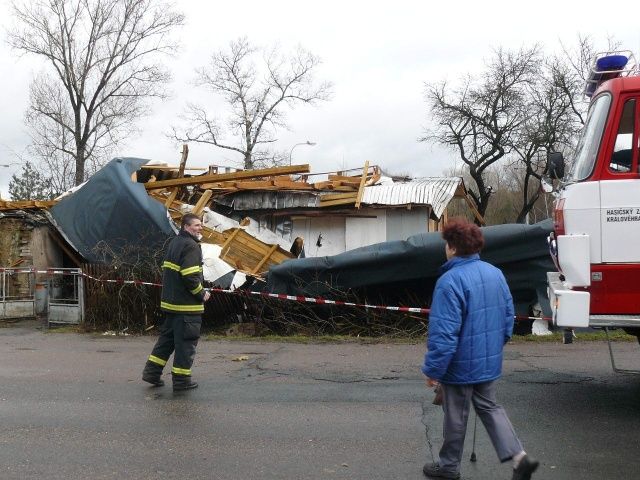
<point>151,374</point>
<point>153,380</point>
<point>433,470</point>
<point>525,468</point>
<point>181,383</point>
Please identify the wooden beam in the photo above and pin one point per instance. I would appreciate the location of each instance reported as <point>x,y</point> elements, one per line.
<point>327,197</point>
<point>62,243</point>
<point>20,204</point>
<point>325,185</point>
<point>183,159</point>
<point>165,168</point>
<point>343,178</point>
<point>365,170</point>
<point>229,239</point>
<point>375,176</point>
<point>200,179</point>
<point>202,202</point>
<point>475,211</point>
<point>265,258</point>
<point>183,163</point>
<point>344,201</point>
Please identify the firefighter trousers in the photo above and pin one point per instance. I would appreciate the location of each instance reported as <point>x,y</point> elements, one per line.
<point>180,334</point>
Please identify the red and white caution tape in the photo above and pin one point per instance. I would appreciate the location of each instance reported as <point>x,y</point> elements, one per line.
<point>324,301</point>
<point>279,296</point>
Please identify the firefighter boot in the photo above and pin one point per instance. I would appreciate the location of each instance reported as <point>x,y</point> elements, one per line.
<point>151,374</point>
<point>183,382</point>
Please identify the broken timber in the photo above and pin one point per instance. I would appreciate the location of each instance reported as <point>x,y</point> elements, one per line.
<point>240,249</point>
<point>200,179</point>
<point>355,185</point>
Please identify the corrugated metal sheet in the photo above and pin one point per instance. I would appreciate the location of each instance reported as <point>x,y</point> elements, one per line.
<point>434,191</point>
<point>269,200</point>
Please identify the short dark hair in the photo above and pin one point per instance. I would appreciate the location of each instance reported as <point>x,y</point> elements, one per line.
<point>465,237</point>
<point>188,219</point>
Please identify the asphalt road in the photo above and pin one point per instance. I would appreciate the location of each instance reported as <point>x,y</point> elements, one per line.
<point>73,407</point>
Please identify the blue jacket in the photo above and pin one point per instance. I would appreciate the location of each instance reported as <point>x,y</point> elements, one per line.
<point>470,321</point>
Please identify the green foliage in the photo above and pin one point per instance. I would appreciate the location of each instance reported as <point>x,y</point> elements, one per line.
<point>30,184</point>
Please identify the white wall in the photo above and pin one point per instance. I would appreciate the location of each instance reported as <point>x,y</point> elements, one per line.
<point>402,223</point>
<point>340,234</point>
<point>365,231</point>
<point>332,230</point>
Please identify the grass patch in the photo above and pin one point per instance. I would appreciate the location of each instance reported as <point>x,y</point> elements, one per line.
<point>556,337</point>
<point>595,336</point>
<point>64,329</point>
<point>314,340</point>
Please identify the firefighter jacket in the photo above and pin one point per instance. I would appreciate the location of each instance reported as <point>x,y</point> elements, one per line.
<point>182,289</point>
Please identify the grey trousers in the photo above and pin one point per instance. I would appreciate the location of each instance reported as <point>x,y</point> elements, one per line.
<point>457,401</point>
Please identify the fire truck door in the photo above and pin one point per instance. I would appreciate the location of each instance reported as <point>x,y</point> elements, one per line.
<point>620,220</point>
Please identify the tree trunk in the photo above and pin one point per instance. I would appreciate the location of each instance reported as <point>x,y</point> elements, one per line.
<point>80,160</point>
<point>248,161</point>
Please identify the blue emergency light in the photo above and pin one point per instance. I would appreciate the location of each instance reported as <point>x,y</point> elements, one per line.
<point>605,68</point>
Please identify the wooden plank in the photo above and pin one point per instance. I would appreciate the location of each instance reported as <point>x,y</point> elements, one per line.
<point>256,244</point>
<point>344,201</point>
<point>362,182</point>
<point>265,258</point>
<point>202,202</point>
<point>19,204</point>
<point>165,168</point>
<point>292,185</point>
<point>343,178</point>
<point>200,179</point>
<point>374,177</point>
<point>323,185</point>
<point>183,163</point>
<point>337,196</point>
<point>473,208</point>
<point>209,235</point>
<point>230,239</point>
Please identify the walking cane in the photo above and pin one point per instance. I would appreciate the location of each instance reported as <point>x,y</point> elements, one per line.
<point>473,450</point>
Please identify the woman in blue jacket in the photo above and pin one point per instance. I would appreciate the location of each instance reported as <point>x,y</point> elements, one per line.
<point>470,321</point>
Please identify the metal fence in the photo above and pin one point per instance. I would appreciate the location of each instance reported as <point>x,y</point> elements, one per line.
<point>66,296</point>
<point>17,293</point>
<point>57,294</point>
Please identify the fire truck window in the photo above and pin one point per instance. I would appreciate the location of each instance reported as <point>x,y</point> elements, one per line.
<point>623,148</point>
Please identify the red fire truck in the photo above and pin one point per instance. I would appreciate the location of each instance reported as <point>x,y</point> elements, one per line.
<point>596,239</point>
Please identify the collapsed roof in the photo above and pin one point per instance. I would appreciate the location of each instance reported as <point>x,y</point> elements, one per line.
<point>113,211</point>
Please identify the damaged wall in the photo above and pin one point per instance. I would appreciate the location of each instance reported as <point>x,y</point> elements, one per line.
<point>25,242</point>
<point>366,227</point>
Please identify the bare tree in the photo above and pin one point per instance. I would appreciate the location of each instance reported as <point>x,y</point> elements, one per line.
<point>550,124</point>
<point>556,109</point>
<point>104,58</point>
<point>257,100</point>
<point>571,70</point>
<point>480,118</point>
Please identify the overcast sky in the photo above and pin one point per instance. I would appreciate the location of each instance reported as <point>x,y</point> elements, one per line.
<point>377,55</point>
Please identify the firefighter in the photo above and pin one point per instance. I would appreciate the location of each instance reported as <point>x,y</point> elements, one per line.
<point>182,302</point>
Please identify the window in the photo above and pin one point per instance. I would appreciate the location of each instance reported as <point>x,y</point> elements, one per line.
<point>589,143</point>
<point>622,156</point>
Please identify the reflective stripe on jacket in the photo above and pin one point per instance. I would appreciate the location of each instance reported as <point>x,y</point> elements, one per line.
<point>182,289</point>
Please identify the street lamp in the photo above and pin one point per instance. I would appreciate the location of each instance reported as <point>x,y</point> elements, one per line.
<point>311,144</point>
